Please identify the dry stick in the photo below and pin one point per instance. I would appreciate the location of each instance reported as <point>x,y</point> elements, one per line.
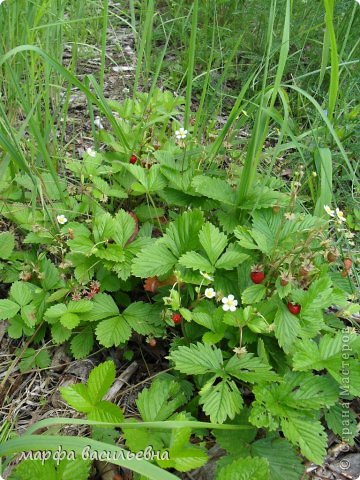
<point>121,381</point>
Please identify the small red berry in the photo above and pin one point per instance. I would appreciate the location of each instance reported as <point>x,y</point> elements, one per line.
<point>152,342</point>
<point>133,159</point>
<point>294,308</point>
<point>176,318</point>
<point>257,277</point>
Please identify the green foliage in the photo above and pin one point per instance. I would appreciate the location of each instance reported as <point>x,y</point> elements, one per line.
<point>88,398</point>
<point>148,225</point>
<point>52,470</point>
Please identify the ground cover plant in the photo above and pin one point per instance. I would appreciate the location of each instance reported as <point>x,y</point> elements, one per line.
<point>202,221</point>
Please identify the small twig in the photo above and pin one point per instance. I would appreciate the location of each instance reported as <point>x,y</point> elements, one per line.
<point>121,381</point>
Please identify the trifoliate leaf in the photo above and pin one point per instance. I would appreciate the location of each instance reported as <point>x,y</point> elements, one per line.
<point>197,359</point>
<point>163,398</point>
<point>100,380</point>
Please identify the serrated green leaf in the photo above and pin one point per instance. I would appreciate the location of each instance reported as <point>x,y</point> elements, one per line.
<point>214,188</point>
<point>113,331</point>
<point>77,468</point>
<point>153,260</point>
<point>7,244</point>
<point>339,416</point>
<point>82,343</point>
<point>250,369</point>
<point>221,401</point>
<point>197,359</point>
<point>309,435</point>
<point>287,327</point>
<point>124,227</point>
<point>182,234</point>
<point>231,258</point>
<point>284,463</point>
<point>54,312</point>
<point>104,306</point>
<point>162,399</point>
<point>8,309</point>
<point>249,468</point>
<point>80,306</point>
<point>70,320</point>
<point>81,244</point>
<point>77,396</point>
<point>111,252</point>
<point>17,327</point>
<point>106,412</point>
<point>100,380</point>
<point>103,227</point>
<point>195,261</point>
<point>141,317</point>
<point>213,241</point>
<point>253,294</point>
<point>60,333</point>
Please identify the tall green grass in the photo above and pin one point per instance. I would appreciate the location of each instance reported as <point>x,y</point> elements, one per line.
<point>226,59</point>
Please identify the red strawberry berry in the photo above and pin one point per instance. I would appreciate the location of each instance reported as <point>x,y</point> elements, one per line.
<point>152,342</point>
<point>257,277</point>
<point>294,308</point>
<point>133,159</point>
<point>176,318</point>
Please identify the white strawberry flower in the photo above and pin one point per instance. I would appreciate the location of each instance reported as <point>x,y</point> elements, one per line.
<point>230,303</point>
<point>61,219</point>
<point>340,215</point>
<point>210,293</point>
<point>329,211</point>
<point>181,133</point>
<point>91,152</point>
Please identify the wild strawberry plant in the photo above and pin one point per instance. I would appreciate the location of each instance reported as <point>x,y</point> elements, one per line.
<point>250,295</point>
